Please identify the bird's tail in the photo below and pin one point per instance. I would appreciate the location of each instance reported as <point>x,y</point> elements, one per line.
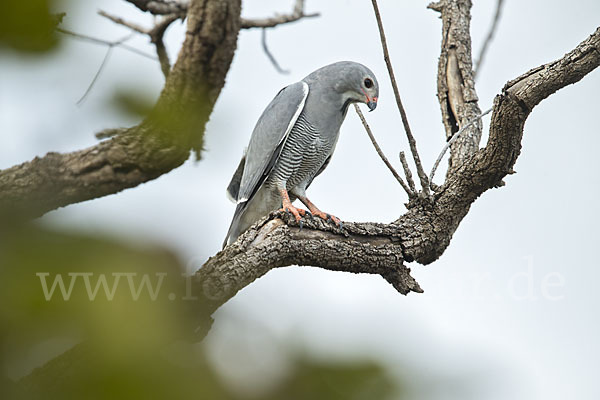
<point>234,228</point>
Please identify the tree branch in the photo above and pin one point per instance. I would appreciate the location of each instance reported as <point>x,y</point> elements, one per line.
<point>179,7</point>
<point>157,145</point>
<point>451,141</point>
<point>455,84</point>
<point>411,139</point>
<point>410,192</point>
<point>407,173</point>
<point>156,34</point>
<point>296,14</point>
<point>116,43</point>
<point>277,241</point>
<point>488,38</point>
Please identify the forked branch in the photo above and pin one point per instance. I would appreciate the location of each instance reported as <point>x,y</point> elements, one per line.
<point>410,192</point>
<point>155,34</point>
<point>411,140</point>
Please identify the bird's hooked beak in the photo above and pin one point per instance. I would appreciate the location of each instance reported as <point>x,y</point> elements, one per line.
<point>371,103</point>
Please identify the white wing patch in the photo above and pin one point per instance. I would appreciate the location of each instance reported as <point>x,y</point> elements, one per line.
<point>290,125</point>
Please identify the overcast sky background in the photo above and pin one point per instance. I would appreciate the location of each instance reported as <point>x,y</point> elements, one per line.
<point>511,307</point>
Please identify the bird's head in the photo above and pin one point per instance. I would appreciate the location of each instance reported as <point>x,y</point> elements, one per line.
<point>357,84</point>
<point>354,82</point>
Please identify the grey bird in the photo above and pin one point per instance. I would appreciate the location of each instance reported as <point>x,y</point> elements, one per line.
<point>293,141</point>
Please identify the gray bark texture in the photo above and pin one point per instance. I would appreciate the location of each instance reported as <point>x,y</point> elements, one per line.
<point>164,140</point>
<point>141,153</point>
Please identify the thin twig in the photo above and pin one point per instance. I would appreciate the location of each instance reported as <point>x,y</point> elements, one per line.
<point>407,173</point>
<point>488,38</point>
<point>411,139</point>
<point>296,14</point>
<point>383,157</point>
<point>111,46</point>
<point>270,55</point>
<point>96,76</point>
<point>120,21</point>
<point>94,40</point>
<point>155,33</point>
<point>452,139</point>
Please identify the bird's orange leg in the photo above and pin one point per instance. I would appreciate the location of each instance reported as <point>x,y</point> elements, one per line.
<point>315,211</point>
<point>287,205</point>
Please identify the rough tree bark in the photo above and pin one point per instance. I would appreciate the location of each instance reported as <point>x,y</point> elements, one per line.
<point>141,153</point>
<point>162,143</point>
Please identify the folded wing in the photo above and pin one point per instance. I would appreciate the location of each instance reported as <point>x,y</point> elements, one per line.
<point>268,138</point>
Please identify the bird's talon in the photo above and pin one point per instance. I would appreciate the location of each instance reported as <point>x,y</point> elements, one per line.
<point>340,224</point>
<point>300,224</point>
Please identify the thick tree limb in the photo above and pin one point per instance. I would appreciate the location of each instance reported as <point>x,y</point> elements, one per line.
<point>277,241</point>
<point>156,146</point>
<point>456,85</point>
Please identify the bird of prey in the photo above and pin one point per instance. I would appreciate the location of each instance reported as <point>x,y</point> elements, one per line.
<point>293,141</point>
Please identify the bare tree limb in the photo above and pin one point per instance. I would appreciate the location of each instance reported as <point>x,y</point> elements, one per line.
<point>407,189</point>
<point>455,84</point>
<point>296,14</point>
<point>488,38</point>
<point>277,241</point>
<point>411,140</point>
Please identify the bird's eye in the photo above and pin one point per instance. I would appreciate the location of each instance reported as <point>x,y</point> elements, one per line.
<point>368,83</point>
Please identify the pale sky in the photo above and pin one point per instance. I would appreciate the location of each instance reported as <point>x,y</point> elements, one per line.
<point>511,304</point>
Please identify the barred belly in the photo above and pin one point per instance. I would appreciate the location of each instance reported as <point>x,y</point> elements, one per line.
<point>303,154</point>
